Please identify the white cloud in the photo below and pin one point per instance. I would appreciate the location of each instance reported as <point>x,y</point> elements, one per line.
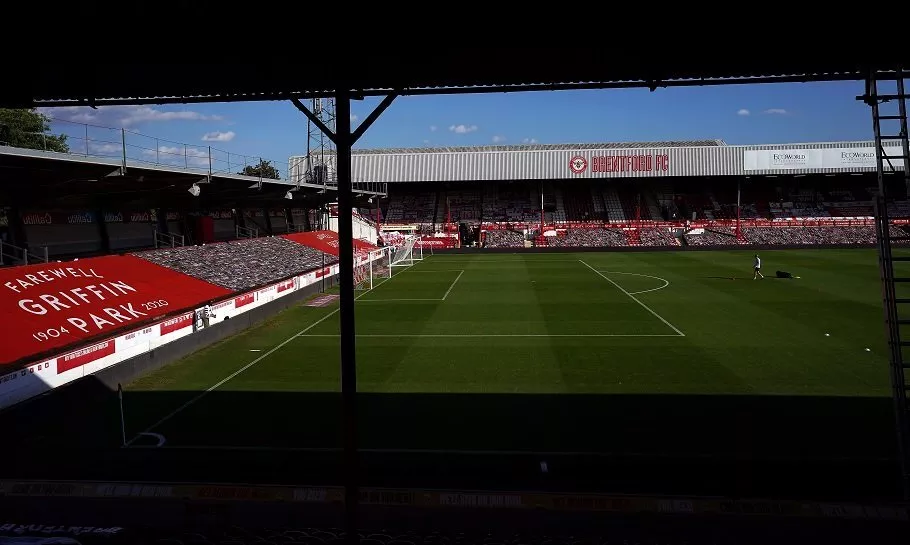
<point>179,156</point>
<point>217,136</point>
<point>124,116</point>
<point>462,129</point>
<point>743,111</point>
<point>354,118</point>
<point>499,139</point>
<point>776,111</point>
<point>529,141</point>
<point>426,142</point>
<point>433,128</point>
<point>103,149</point>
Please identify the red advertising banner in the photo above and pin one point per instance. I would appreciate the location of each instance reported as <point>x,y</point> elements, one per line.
<point>244,300</point>
<point>52,305</point>
<point>176,324</point>
<point>42,217</point>
<point>326,241</point>
<point>437,242</point>
<point>285,286</point>
<point>85,355</point>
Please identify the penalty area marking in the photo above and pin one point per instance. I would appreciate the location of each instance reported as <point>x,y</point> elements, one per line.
<point>632,296</point>
<point>448,291</point>
<point>178,410</point>
<point>487,335</point>
<point>664,280</point>
<point>396,299</point>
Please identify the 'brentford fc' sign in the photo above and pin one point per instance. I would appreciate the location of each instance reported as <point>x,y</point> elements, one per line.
<point>620,163</point>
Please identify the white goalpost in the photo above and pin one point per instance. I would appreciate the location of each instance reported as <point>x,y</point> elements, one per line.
<point>372,268</point>
<point>407,253</point>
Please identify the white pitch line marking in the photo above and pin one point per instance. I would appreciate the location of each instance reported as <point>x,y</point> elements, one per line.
<point>664,280</point>
<point>395,300</point>
<point>644,306</point>
<point>457,278</point>
<point>485,335</point>
<point>237,372</point>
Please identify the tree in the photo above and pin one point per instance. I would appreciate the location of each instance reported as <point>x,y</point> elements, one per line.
<point>29,129</point>
<point>265,169</point>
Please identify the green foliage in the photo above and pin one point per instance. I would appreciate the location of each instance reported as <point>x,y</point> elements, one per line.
<point>29,129</point>
<point>265,169</point>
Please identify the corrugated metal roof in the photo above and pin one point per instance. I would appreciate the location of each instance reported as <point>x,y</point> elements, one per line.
<point>545,147</point>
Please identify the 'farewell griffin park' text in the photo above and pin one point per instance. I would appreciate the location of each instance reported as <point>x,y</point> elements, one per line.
<point>97,290</point>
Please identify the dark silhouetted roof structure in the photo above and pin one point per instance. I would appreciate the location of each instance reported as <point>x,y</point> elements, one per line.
<point>415,71</point>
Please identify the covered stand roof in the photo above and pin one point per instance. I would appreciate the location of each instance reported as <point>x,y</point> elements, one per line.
<point>543,147</point>
<point>430,71</point>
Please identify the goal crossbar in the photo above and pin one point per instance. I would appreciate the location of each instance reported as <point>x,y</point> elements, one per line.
<point>407,253</point>
<point>371,268</point>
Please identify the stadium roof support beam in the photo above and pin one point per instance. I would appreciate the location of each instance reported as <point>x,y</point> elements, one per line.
<point>344,140</point>
<point>894,305</point>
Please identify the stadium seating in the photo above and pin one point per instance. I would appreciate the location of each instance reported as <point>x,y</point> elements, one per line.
<point>809,235</point>
<point>464,204</point>
<point>715,236</point>
<point>504,239</point>
<point>652,236</point>
<point>589,238</point>
<point>511,202</point>
<point>241,264</point>
<point>412,206</point>
<point>615,210</point>
<point>578,203</point>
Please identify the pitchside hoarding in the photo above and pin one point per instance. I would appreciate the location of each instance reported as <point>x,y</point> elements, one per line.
<point>50,305</point>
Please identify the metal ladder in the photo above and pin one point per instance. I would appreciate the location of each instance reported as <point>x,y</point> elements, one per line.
<point>892,159</point>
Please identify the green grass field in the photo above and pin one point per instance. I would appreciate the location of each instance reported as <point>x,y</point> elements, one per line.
<point>556,351</point>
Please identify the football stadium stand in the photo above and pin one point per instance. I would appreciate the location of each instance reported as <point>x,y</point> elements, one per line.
<point>241,264</point>
<point>504,238</point>
<point>81,316</point>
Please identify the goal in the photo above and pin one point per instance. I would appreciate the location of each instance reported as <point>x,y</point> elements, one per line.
<point>371,268</point>
<point>407,253</point>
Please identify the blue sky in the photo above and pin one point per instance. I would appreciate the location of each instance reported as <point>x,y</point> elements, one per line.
<point>746,114</point>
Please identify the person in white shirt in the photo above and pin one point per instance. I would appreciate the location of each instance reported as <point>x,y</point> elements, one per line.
<point>756,266</point>
<point>207,315</point>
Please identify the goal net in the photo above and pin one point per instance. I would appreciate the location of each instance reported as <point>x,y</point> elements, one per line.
<point>407,253</point>
<point>371,268</point>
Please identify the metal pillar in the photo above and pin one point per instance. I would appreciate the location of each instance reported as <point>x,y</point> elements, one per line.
<point>738,210</point>
<point>541,208</point>
<point>343,144</point>
<point>891,302</point>
<point>344,139</point>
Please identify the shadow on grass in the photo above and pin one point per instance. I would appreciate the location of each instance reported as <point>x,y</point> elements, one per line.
<point>778,446</point>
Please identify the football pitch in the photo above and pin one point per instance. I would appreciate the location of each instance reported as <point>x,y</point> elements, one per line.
<point>556,352</point>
